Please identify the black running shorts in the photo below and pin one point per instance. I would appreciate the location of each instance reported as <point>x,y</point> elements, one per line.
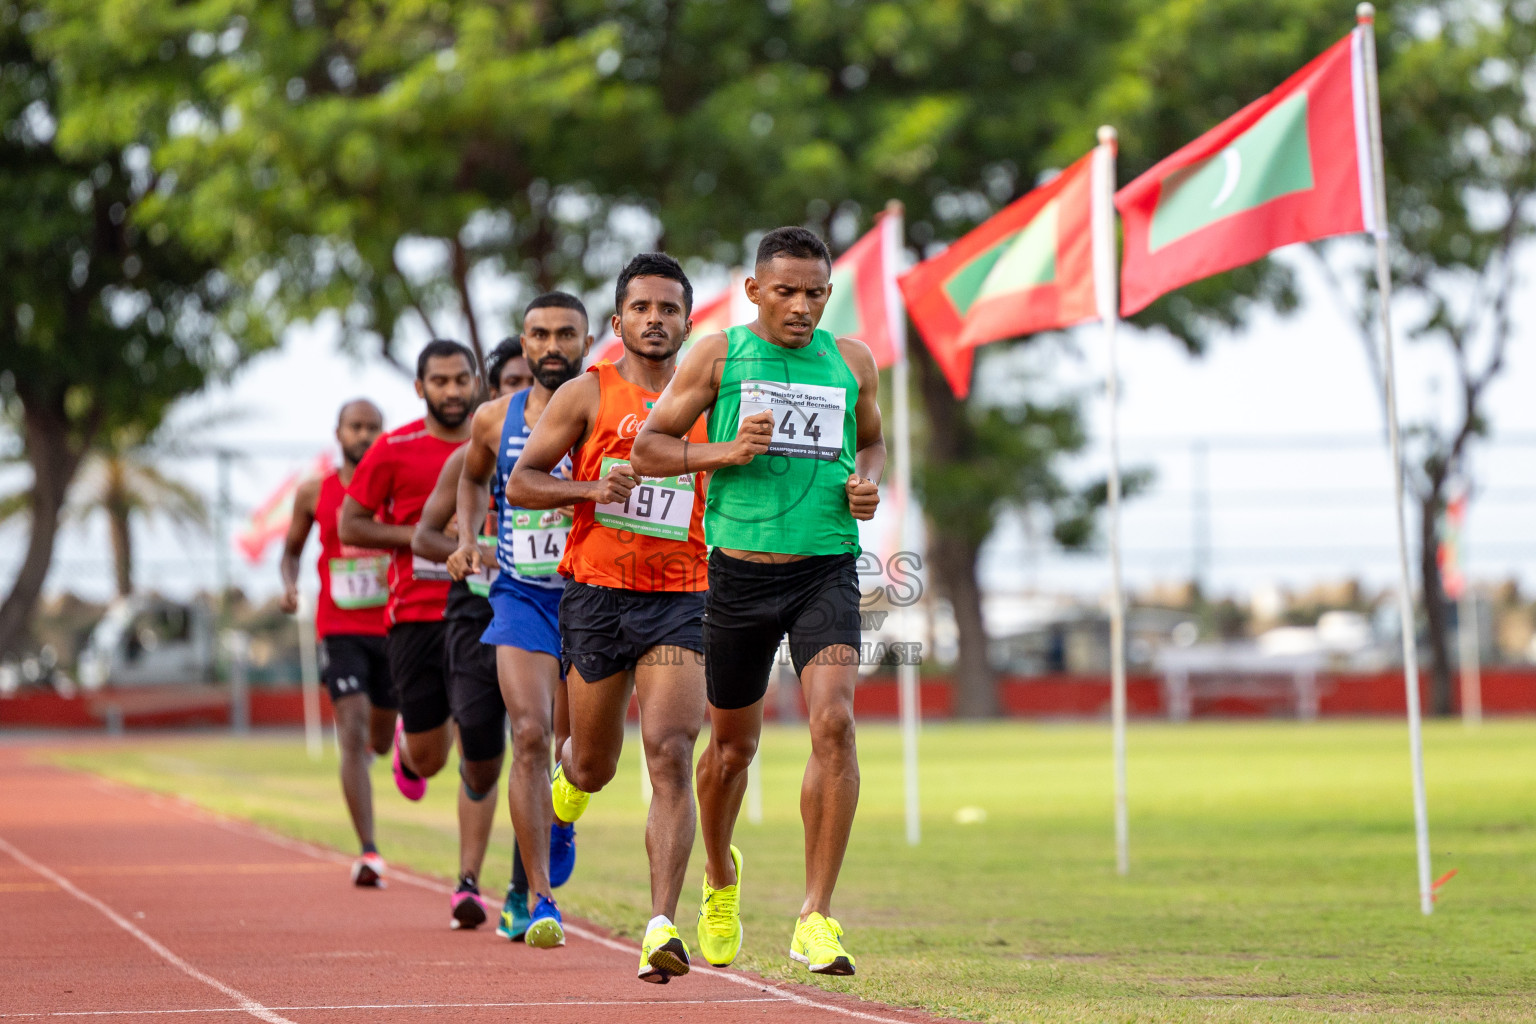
<point>604,630</point>
<point>418,666</point>
<point>352,663</point>
<point>752,605</point>
<point>474,696</point>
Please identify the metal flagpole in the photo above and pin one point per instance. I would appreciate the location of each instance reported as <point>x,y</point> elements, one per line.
<point>906,669</point>
<point>1104,282</point>
<point>1366,16</point>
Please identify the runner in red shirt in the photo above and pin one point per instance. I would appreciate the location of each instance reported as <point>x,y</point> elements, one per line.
<point>382,507</point>
<point>474,694</point>
<point>349,622</point>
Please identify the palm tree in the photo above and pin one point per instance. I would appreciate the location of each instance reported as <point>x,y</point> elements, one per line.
<point>121,478</point>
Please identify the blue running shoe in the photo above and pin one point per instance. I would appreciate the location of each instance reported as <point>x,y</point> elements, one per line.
<point>514,916</point>
<point>562,854</point>
<point>544,929</point>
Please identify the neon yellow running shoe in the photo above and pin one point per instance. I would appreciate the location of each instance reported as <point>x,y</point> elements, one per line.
<point>663,956</point>
<point>816,945</point>
<point>720,919</point>
<point>570,802</point>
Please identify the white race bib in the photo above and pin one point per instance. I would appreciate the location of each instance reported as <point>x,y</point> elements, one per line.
<point>480,582</point>
<point>437,572</point>
<point>360,582</point>
<point>657,507</point>
<point>807,418</point>
<point>538,541</point>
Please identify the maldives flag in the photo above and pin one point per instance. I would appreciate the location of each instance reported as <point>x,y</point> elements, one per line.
<point>1027,269</point>
<point>1452,579</point>
<point>865,302</point>
<point>1290,167</point>
<point>270,521</point>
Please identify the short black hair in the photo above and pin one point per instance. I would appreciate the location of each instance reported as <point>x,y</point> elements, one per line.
<point>442,348</point>
<point>652,264</point>
<point>341,413</point>
<point>559,300</point>
<point>795,242</point>
<point>505,351</point>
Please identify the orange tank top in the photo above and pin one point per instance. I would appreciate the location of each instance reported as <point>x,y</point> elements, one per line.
<point>655,540</point>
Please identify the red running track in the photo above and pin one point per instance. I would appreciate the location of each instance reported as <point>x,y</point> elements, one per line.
<point>117,905</point>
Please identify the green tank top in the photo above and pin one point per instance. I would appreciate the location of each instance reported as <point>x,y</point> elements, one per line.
<point>791,500</point>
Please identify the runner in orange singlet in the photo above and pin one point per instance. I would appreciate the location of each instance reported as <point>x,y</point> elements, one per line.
<point>636,561</point>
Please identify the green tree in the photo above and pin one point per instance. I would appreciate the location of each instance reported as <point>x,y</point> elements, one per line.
<point>1460,136</point>
<point>122,479</point>
<point>102,324</point>
<point>409,166</point>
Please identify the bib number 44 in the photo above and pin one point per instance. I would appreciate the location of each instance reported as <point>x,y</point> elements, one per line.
<point>807,418</point>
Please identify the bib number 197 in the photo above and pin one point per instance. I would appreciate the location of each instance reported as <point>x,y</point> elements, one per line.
<point>657,507</point>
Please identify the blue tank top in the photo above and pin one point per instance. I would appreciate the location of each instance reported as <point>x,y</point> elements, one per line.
<point>529,542</point>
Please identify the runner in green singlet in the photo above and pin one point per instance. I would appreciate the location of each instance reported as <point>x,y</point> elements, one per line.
<point>795,453</point>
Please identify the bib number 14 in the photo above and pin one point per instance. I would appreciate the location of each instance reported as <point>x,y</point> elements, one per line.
<point>538,541</point>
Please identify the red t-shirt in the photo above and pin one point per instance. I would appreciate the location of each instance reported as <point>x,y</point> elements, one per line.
<point>354,582</point>
<point>394,481</point>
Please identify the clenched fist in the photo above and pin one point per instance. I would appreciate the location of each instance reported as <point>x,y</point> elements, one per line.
<point>863,497</point>
<point>615,487</point>
<point>752,438</point>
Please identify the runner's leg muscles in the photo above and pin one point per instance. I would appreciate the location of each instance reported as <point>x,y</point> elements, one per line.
<point>426,752</point>
<point>590,753</point>
<point>528,680</point>
<point>830,792</point>
<point>352,712</point>
<point>381,728</point>
<point>722,781</point>
<point>670,681</point>
<point>562,715</point>
<point>477,811</point>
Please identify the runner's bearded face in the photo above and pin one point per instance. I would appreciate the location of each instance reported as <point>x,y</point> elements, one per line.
<point>554,341</point>
<point>448,386</point>
<point>791,294</point>
<point>654,322</point>
<point>515,376</point>
<point>361,424</point>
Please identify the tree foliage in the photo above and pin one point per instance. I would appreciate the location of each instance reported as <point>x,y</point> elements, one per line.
<point>103,322</point>
<point>428,165</point>
<point>1459,127</point>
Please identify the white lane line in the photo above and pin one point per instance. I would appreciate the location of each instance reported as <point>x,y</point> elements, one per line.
<point>239,827</point>
<point>398,1006</point>
<point>245,1002</point>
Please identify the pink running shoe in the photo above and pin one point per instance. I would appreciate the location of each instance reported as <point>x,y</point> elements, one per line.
<point>368,871</point>
<point>466,909</point>
<point>410,785</point>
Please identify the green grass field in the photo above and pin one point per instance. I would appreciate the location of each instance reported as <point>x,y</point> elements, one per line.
<point>1272,865</point>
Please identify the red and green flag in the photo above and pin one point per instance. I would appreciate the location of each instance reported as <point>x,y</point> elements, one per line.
<point>1290,167</point>
<point>865,302</point>
<point>1027,269</point>
<point>1453,579</point>
<point>269,521</point>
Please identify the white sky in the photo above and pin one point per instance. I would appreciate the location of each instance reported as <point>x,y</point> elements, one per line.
<point>1283,514</point>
